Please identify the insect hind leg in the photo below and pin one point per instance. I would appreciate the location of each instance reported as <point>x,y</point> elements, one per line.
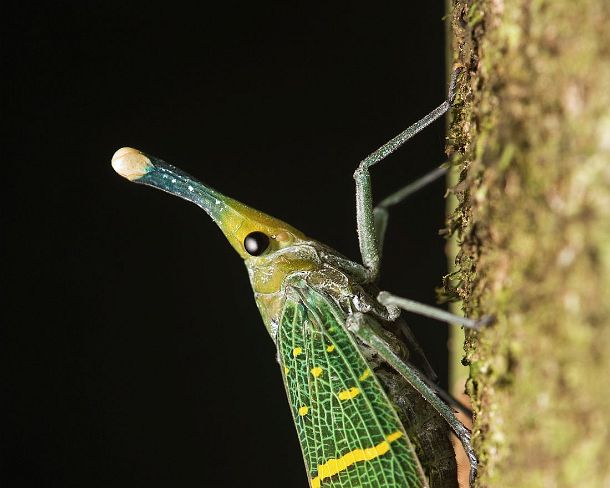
<point>359,326</point>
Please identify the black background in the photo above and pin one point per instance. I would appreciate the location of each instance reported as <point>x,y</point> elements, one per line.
<point>136,355</point>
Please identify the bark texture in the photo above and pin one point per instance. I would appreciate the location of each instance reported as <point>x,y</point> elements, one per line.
<point>531,139</point>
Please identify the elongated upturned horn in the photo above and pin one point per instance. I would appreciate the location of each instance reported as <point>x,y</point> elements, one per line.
<point>235,219</point>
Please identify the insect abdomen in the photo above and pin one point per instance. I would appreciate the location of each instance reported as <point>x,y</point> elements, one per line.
<point>429,433</point>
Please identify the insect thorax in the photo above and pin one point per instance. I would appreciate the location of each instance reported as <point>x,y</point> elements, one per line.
<point>315,264</point>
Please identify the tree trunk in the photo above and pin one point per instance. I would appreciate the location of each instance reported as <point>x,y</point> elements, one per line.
<point>531,140</point>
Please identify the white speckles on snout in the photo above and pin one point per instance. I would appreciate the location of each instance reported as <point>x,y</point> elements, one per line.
<point>131,163</point>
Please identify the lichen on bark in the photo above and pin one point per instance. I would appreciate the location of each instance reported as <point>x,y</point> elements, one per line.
<point>530,137</point>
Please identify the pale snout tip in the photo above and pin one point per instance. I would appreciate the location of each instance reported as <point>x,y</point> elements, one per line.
<point>131,163</point>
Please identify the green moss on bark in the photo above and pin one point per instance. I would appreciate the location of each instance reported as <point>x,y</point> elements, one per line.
<point>531,138</point>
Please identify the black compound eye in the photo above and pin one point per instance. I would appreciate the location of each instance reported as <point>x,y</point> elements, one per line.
<point>256,243</point>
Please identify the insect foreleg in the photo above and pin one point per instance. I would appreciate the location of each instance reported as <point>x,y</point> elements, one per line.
<point>358,325</point>
<point>434,313</point>
<point>367,238</point>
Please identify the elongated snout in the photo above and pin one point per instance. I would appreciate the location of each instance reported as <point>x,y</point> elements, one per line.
<point>236,220</point>
<point>142,168</point>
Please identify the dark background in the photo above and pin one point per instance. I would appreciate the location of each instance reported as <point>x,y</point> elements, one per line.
<point>135,353</point>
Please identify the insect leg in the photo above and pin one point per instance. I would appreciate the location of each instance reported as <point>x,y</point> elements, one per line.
<point>367,239</point>
<point>386,299</point>
<point>381,213</point>
<point>358,325</point>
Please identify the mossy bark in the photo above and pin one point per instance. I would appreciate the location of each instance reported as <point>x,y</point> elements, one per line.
<point>531,139</point>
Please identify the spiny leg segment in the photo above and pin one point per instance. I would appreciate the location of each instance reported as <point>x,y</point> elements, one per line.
<point>367,236</point>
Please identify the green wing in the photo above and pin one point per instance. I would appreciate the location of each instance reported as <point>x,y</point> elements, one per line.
<point>349,432</point>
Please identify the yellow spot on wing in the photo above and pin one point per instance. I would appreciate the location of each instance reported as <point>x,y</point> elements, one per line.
<point>365,375</point>
<point>296,351</point>
<point>286,369</point>
<point>347,394</point>
<point>334,466</point>
<point>316,371</point>
<point>303,410</point>
<point>392,437</point>
<point>330,348</point>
